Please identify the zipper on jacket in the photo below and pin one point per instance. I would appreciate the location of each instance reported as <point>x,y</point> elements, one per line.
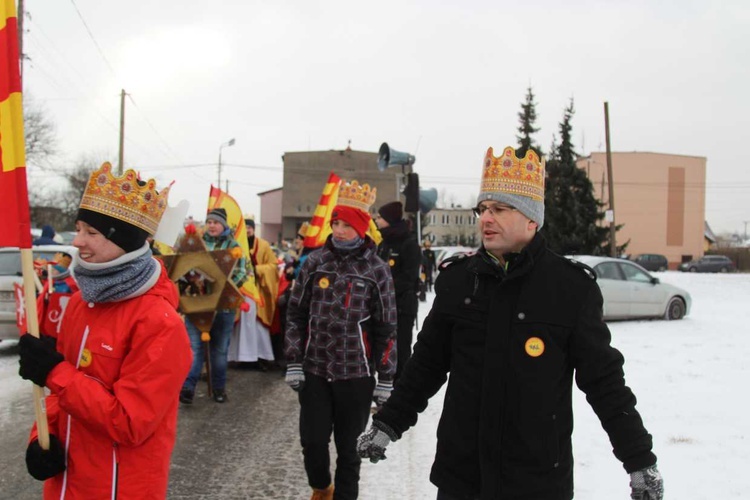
<point>115,471</point>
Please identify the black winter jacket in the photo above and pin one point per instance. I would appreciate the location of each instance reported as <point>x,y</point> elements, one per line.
<point>400,250</point>
<point>512,343</point>
<point>341,316</point>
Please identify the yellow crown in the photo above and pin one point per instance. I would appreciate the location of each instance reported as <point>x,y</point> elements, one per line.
<point>512,175</point>
<point>125,198</point>
<point>358,196</point>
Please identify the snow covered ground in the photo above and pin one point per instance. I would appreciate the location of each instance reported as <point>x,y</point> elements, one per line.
<point>690,378</point>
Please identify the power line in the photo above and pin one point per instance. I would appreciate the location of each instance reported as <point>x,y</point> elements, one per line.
<point>169,149</point>
<point>91,35</point>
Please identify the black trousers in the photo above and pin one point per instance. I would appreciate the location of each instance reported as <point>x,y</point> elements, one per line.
<point>341,407</point>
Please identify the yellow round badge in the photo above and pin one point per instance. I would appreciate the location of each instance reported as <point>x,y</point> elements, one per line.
<point>323,283</point>
<point>85,358</point>
<point>391,262</point>
<point>534,347</point>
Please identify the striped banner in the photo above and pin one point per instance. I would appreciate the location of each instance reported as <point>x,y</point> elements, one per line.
<point>15,224</point>
<point>320,224</point>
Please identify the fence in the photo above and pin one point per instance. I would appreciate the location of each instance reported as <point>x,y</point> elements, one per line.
<point>740,257</point>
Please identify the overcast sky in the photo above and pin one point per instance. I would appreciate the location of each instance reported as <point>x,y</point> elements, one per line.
<point>442,82</point>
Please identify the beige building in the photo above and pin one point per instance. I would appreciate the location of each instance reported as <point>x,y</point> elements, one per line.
<point>451,226</point>
<point>283,210</point>
<point>660,199</point>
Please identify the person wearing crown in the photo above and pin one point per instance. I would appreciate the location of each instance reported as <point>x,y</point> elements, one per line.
<point>512,324</point>
<point>341,331</point>
<point>120,357</point>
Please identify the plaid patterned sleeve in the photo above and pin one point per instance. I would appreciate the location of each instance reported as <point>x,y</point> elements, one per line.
<point>384,322</point>
<point>297,314</point>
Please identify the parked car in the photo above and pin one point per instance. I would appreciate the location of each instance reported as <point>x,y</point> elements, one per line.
<point>709,264</point>
<point>630,292</point>
<point>652,261</point>
<point>442,253</point>
<point>10,273</point>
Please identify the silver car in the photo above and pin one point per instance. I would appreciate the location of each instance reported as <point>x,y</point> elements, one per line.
<point>630,292</point>
<point>10,272</point>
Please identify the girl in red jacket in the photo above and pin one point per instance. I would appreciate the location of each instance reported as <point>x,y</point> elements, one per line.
<point>122,354</point>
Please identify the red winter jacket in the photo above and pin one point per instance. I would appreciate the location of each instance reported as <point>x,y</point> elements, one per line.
<point>114,398</point>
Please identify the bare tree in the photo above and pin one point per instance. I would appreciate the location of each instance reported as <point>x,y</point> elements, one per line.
<point>39,131</point>
<point>62,197</point>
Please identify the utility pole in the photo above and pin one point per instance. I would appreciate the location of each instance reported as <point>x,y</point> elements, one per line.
<point>230,142</point>
<point>610,181</point>
<point>122,132</point>
<point>745,222</point>
<point>20,38</point>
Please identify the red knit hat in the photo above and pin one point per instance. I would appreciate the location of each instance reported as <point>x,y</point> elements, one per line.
<point>355,217</point>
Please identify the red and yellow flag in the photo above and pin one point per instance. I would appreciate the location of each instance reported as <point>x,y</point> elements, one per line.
<point>320,224</point>
<point>15,224</point>
<point>219,199</point>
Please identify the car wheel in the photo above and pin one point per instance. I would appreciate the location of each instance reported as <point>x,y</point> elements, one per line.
<point>662,269</point>
<point>675,309</point>
<point>723,270</point>
<point>693,269</point>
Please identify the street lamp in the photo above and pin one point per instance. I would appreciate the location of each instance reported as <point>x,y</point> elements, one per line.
<point>230,142</point>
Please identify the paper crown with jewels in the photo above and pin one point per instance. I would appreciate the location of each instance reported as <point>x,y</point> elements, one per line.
<point>125,198</point>
<point>352,194</point>
<point>516,181</point>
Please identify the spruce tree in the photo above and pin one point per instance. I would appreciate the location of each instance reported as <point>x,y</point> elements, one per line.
<point>571,210</point>
<point>526,128</point>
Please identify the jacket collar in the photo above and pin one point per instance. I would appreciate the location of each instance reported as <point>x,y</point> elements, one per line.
<point>516,264</point>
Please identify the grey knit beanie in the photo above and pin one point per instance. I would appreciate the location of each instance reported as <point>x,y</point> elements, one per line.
<point>517,182</point>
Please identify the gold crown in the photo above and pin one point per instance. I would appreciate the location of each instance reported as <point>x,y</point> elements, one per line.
<point>510,174</point>
<point>358,196</point>
<point>125,198</point>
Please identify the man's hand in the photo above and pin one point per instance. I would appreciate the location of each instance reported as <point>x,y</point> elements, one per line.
<point>295,377</point>
<point>44,464</point>
<point>646,484</point>
<point>37,358</point>
<point>371,443</point>
<point>382,392</point>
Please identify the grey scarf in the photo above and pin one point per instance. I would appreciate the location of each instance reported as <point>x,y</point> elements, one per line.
<point>347,245</point>
<point>128,276</point>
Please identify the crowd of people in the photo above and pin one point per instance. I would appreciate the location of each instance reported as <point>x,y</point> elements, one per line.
<point>512,324</point>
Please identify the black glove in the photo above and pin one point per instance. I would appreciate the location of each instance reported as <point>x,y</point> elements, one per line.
<point>38,358</point>
<point>646,484</point>
<point>44,464</point>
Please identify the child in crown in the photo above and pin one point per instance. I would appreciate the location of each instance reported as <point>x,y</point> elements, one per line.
<point>341,331</point>
<point>121,355</point>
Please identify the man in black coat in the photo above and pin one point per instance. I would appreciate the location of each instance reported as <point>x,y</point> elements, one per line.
<point>428,264</point>
<point>513,324</point>
<point>400,250</point>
